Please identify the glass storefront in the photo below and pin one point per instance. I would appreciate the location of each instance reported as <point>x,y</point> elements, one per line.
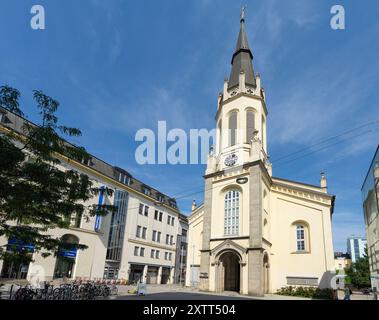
<point>66,257</point>
<point>13,269</point>
<point>64,267</point>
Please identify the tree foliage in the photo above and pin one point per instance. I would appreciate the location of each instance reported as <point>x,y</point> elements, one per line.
<point>37,193</point>
<point>359,272</point>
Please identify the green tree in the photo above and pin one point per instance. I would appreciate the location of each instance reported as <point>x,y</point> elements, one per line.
<point>35,194</point>
<point>359,272</point>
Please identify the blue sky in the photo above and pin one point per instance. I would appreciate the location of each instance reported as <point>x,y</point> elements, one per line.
<point>118,66</point>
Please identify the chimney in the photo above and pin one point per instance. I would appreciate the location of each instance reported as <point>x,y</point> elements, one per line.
<point>323,182</point>
<point>193,205</point>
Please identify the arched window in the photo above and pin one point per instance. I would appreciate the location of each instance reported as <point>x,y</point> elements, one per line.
<point>232,128</point>
<point>250,125</point>
<point>300,237</point>
<point>231,214</point>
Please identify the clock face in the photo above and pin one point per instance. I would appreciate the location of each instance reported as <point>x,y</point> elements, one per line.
<point>231,160</point>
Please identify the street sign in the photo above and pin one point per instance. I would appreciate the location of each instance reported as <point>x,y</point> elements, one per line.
<point>141,289</point>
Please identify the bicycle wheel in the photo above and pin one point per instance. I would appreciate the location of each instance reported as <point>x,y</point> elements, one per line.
<point>106,292</point>
<point>114,291</point>
<point>57,293</point>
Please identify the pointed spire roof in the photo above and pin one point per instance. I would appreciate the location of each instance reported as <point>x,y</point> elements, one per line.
<point>242,59</point>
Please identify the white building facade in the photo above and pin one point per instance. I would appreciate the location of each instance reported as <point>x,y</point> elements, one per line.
<point>356,247</point>
<point>255,233</point>
<point>136,243</point>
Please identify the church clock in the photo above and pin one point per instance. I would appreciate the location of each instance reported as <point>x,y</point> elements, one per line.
<point>231,160</point>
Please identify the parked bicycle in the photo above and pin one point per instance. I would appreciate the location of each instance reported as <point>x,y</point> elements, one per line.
<point>76,290</point>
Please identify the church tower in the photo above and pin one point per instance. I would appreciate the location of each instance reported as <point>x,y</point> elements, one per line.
<point>241,113</point>
<point>236,180</point>
<point>255,233</point>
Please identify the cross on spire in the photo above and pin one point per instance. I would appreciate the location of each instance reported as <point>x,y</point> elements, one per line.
<point>242,58</point>
<point>243,8</point>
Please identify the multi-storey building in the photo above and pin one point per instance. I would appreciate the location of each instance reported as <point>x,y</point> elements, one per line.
<point>181,250</point>
<point>356,247</point>
<point>137,242</point>
<point>370,196</point>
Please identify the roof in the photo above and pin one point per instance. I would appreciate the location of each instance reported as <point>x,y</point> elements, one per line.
<point>242,60</point>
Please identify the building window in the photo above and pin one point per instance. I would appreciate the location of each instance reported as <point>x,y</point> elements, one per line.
<point>158,215</point>
<point>169,256</point>
<point>146,211</point>
<point>232,129</point>
<point>168,219</point>
<point>140,210</point>
<point>144,229</point>
<point>87,161</point>
<point>136,250</point>
<point>161,198</point>
<point>117,226</point>
<point>123,178</point>
<point>138,232</point>
<point>172,221</point>
<point>167,239</point>
<point>142,252</point>
<point>152,253</point>
<point>171,240</point>
<point>157,254</point>
<point>146,191</point>
<point>154,237</point>
<point>300,238</point>
<point>166,255</point>
<point>250,126</point>
<point>231,213</point>
<point>159,237</point>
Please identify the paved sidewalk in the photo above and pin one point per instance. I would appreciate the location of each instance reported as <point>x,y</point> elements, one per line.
<point>176,292</point>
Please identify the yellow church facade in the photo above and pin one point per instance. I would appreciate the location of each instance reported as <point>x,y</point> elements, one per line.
<point>255,232</point>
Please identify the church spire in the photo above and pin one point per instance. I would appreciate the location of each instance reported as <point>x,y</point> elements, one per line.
<point>242,58</point>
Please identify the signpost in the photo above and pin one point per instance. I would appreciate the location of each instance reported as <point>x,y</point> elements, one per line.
<point>141,289</point>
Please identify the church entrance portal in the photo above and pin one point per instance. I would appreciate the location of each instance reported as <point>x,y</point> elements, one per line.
<point>231,265</point>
